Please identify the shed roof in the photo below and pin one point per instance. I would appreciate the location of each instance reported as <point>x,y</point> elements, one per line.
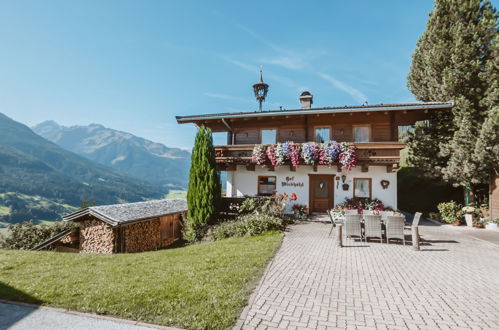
<point>118,214</point>
<point>344,109</point>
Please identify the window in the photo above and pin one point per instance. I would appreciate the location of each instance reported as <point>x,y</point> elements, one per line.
<point>361,133</point>
<point>322,134</point>
<point>404,131</point>
<point>269,136</point>
<point>266,185</point>
<point>362,187</point>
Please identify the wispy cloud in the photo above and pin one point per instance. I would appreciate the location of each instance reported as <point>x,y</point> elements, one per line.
<point>288,62</point>
<point>353,92</point>
<point>296,61</point>
<point>226,97</point>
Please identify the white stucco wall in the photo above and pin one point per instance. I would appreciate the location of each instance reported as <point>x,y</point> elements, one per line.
<point>244,183</point>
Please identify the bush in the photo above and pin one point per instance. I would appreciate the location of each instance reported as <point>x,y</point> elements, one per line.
<point>273,206</point>
<point>26,235</point>
<point>247,225</point>
<point>450,211</point>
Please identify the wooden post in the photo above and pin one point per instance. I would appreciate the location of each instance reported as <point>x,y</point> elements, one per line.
<point>415,238</point>
<point>340,234</point>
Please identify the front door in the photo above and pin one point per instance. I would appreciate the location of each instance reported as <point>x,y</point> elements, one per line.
<point>321,192</point>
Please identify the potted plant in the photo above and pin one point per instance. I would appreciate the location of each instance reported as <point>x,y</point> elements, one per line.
<point>493,224</point>
<point>451,212</point>
<point>469,212</point>
<point>300,211</point>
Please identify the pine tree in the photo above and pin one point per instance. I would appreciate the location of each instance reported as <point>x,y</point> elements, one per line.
<point>204,181</point>
<point>449,64</point>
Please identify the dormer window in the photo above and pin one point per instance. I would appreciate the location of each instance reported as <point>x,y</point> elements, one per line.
<point>269,136</point>
<point>361,133</point>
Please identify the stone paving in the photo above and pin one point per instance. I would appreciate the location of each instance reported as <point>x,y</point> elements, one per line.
<point>453,283</point>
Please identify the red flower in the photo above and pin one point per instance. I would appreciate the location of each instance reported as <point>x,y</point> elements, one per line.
<point>293,197</point>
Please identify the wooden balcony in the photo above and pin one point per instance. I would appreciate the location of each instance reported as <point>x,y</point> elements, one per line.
<point>370,153</point>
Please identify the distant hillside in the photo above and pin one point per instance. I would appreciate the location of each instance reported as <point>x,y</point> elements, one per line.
<point>141,158</point>
<point>32,168</point>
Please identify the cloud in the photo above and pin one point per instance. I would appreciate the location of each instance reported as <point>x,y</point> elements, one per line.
<point>355,93</point>
<point>295,61</point>
<point>288,62</point>
<point>226,97</point>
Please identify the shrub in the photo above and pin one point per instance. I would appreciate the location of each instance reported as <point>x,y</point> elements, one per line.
<point>273,206</point>
<point>247,225</point>
<point>300,210</point>
<point>26,235</point>
<point>450,211</point>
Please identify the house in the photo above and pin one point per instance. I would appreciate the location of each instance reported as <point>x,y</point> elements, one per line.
<point>130,227</point>
<point>374,130</point>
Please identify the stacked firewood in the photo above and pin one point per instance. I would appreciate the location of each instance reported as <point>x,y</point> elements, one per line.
<point>96,237</point>
<point>142,236</point>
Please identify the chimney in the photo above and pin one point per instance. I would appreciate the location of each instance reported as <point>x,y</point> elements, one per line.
<point>306,100</point>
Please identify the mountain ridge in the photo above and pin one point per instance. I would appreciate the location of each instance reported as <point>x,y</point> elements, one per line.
<point>150,161</point>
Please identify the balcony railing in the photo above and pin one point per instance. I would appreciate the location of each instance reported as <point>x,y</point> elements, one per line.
<point>369,153</point>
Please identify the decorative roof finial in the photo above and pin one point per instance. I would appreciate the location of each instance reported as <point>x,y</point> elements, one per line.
<point>260,89</point>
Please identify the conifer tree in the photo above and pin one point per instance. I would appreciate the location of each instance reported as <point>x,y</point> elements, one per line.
<point>449,64</point>
<point>204,181</point>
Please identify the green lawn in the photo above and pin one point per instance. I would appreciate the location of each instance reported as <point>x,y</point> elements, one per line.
<point>197,287</point>
<point>176,194</point>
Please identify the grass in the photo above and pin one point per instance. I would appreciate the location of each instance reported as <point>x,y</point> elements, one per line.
<point>176,194</point>
<point>202,286</point>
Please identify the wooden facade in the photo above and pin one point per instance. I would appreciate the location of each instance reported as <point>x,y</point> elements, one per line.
<point>374,130</point>
<point>244,130</point>
<point>494,196</point>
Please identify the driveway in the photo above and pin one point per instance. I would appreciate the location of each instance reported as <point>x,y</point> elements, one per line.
<point>24,317</point>
<point>311,283</point>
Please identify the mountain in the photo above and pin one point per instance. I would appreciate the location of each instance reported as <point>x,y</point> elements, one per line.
<point>35,169</point>
<point>138,157</point>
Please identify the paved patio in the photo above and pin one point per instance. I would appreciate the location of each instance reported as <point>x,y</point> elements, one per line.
<point>453,283</point>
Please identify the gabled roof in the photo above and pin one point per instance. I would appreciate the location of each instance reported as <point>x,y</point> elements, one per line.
<point>345,109</point>
<point>118,214</point>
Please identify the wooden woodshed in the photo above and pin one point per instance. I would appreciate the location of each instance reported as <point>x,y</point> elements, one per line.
<point>130,227</point>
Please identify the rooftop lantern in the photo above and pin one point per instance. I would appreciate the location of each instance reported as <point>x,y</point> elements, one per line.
<point>260,89</point>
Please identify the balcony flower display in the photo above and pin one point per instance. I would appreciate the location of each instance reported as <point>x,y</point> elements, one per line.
<point>309,153</point>
<point>259,156</point>
<point>294,153</point>
<point>271,154</point>
<point>347,157</point>
<point>282,153</point>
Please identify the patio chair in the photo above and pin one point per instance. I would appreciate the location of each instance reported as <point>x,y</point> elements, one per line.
<point>372,227</point>
<point>350,212</point>
<point>385,215</point>
<point>395,228</point>
<point>353,226</point>
<point>367,212</point>
<point>415,221</point>
<point>334,220</point>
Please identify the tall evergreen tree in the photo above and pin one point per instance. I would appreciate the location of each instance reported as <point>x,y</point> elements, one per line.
<point>449,64</point>
<point>204,189</point>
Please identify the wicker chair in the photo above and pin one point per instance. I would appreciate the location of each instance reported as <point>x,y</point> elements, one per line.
<point>334,220</point>
<point>350,212</point>
<point>386,214</point>
<point>395,228</point>
<point>353,226</point>
<point>415,221</point>
<point>372,227</point>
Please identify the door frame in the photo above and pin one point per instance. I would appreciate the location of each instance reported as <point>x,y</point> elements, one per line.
<point>311,190</point>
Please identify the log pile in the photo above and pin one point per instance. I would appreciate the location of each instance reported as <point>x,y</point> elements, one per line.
<point>96,237</point>
<point>142,236</point>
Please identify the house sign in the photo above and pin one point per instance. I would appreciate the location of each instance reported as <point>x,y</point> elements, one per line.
<point>290,182</point>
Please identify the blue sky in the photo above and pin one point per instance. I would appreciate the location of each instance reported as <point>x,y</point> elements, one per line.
<point>134,65</point>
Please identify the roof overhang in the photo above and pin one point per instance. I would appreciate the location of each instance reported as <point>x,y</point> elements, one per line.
<point>325,110</point>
